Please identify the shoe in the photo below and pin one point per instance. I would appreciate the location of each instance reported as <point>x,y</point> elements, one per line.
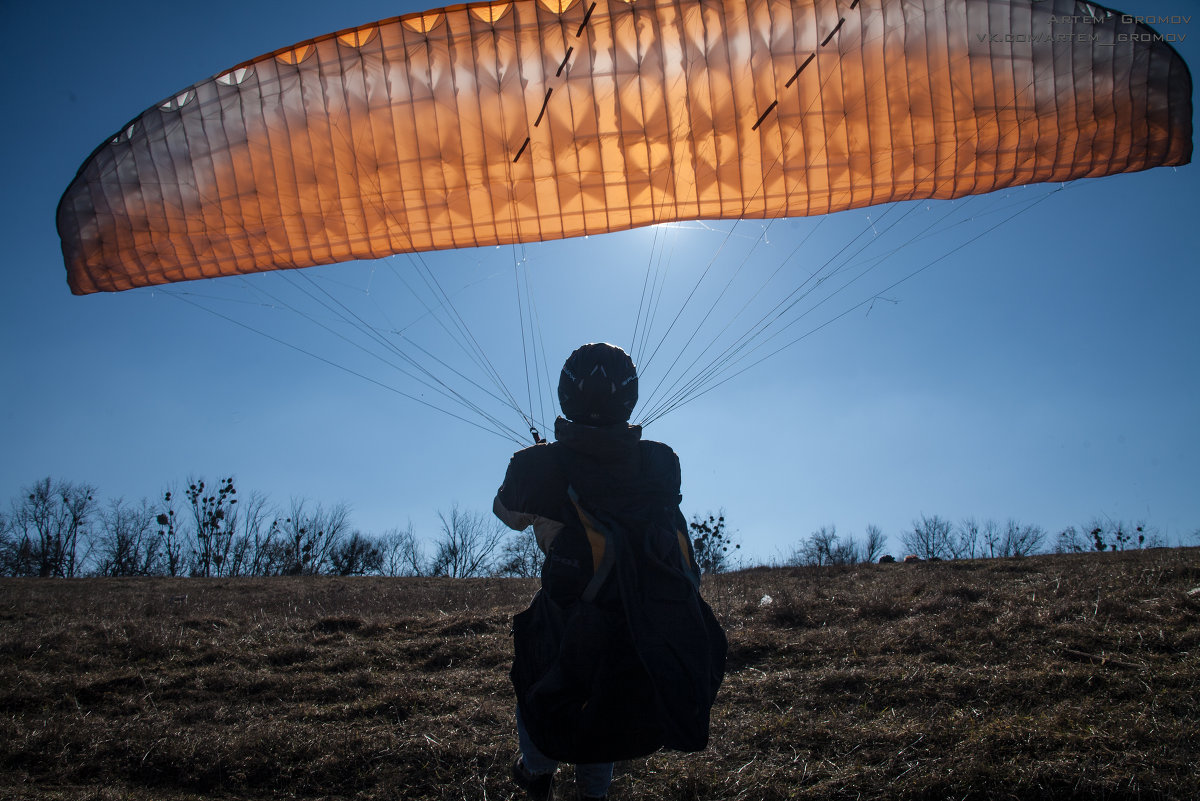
<point>537,786</point>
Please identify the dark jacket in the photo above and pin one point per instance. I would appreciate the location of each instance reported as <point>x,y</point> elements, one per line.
<point>611,467</point>
<point>618,655</point>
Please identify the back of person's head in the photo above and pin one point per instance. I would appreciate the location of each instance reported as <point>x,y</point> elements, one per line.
<point>598,385</point>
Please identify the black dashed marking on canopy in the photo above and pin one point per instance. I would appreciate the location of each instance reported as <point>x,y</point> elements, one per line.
<point>774,103</point>
<point>586,18</point>
<point>566,58</point>
<point>561,67</point>
<point>524,145</point>
<point>796,74</point>
<point>542,113</point>
<point>763,116</point>
<point>833,33</point>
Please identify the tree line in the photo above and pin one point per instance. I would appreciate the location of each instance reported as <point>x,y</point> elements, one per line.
<point>57,528</point>
<point>932,538</point>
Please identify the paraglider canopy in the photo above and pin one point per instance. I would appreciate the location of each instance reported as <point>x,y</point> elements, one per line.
<point>529,120</point>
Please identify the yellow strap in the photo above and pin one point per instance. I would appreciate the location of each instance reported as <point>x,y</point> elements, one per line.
<point>595,538</point>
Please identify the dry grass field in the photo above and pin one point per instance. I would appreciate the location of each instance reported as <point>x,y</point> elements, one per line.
<point>1048,677</point>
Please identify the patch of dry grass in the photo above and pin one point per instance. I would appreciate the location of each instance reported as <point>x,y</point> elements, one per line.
<point>1049,677</point>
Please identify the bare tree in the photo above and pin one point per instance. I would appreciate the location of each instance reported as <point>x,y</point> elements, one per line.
<point>1150,537</point>
<point>214,521</point>
<point>520,556</point>
<point>170,535</point>
<point>218,534</point>
<point>929,538</point>
<point>711,542</point>
<point>845,552</point>
<point>308,537</point>
<point>872,547</point>
<point>252,550</point>
<point>11,557</point>
<point>49,529</point>
<point>813,550</point>
<point>128,544</point>
<point>816,550</point>
<point>993,538</point>
<point>1117,535</point>
<point>1070,540</point>
<point>824,547</point>
<point>402,554</point>
<point>964,542</point>
<point>1099,530</point>
<point>1021,540</point>
<point>468,544</point>
<point>356,555</point>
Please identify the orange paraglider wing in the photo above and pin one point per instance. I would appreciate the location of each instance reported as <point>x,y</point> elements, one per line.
<point>539,119</point>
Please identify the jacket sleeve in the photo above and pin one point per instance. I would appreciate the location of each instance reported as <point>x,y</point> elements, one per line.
<point>526,498</point>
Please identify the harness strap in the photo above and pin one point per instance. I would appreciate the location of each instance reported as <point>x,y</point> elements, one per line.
<point>604,547</point>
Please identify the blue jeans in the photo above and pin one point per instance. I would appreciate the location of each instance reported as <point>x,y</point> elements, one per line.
<point>591,779</point>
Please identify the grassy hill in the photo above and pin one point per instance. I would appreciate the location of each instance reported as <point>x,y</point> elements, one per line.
<point>1047,677</point>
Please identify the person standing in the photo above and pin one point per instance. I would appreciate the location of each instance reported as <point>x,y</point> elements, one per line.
<point>618,655</point>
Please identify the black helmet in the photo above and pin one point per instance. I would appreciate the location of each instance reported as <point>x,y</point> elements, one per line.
<point>598,385</point>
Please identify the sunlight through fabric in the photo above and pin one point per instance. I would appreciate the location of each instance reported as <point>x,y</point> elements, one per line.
<point>524,121</point>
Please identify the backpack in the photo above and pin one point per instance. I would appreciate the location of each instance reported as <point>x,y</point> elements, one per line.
<point>632,666</point>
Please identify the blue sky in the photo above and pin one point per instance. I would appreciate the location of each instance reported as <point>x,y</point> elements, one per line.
<point>1047,370</point>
